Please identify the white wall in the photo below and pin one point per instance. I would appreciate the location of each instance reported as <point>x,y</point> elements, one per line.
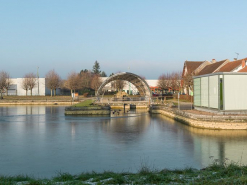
<point>39,88</point>
<point>235,90</point>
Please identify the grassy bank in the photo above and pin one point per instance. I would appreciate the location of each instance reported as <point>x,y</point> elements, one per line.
<point>86,103</point>
<point>214,174</point>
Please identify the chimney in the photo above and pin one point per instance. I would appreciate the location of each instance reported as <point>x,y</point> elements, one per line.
<point>243,63</point>
<point>213,61</point>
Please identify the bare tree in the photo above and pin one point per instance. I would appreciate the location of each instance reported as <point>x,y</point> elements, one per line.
<point>73,82</point>
<point>24,84</point>
<point>4,82</point>
<point>163,82</point>
<point>53,81</point>
<point>86,79</point>
<point>118,84</point>
<point>175,80</point>
<point>8,83</point>
<point>96,82</point>
<point>32,81</point>
<point>29,82</point>
<point>188,82</point>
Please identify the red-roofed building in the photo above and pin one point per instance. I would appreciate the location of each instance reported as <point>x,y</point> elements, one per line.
<point>213,67</point>
<point>244,66</point>
<point>190,69</point>
<point>234,66</point>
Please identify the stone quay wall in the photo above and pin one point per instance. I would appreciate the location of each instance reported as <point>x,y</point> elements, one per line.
<point>204,121</point>
<point>90,110</point>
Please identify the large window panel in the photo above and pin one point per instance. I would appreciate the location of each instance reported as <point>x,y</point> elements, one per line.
<point>204,91</point>
<point>197,91</point>
<point>213,92</point>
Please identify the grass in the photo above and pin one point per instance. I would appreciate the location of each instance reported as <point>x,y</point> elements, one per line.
<point>85,103</point>
<point>214,174</point>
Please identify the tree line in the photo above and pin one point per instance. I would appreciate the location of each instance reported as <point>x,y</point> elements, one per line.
<point>170,81</point>
<point>75,81</point>
<point>85,80</point>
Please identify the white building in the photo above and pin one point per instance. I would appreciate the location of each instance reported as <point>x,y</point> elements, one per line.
<point>222,91</point>
<point>40,88</point>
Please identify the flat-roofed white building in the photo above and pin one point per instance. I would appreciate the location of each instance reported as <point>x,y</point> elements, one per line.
<point>16,88</point>
<point>222,91</point>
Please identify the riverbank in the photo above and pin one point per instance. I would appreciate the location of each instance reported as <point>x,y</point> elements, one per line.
<point>214,174</point>
<point>203,120</point>
<point>39,100</point>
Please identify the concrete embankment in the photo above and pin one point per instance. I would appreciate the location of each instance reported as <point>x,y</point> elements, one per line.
<point>90,110</point>
<point>204,121</point>
<point>3,103</point>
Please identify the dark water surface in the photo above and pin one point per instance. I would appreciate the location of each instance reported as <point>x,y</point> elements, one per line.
<point>42,141</point>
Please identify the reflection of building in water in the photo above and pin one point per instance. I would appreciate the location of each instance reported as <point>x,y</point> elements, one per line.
<point>127,127</point>
<point>220,145</point>
<point>30,110</point>
<point>176,133</point>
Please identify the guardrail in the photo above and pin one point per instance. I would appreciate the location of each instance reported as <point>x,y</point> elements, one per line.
<point>129,99</point>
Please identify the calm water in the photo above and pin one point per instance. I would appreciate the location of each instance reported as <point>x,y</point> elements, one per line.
<point>42,141</point>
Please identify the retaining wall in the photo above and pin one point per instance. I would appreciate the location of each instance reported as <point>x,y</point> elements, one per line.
<point>233,124</point>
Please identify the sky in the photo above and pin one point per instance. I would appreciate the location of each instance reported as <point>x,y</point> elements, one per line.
<point>145,37</point>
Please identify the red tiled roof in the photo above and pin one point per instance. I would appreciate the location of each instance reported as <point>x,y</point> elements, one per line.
<point>193,65</point>
<point>211,68</point>
<point>243,70</point>
<point>230,66</point>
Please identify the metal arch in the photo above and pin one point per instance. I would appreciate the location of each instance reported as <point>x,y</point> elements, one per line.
<point>136,80</point>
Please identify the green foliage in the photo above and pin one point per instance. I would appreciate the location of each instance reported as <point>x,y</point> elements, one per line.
<point>217,173</point>
<point>96,68</point>
<point>87,90</point>
<point>103,74</point>
<point>84,71</point>
<point>85,103</point>
<point>64,177</point>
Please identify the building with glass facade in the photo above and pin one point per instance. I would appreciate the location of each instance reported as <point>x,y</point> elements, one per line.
<point>223,91</point>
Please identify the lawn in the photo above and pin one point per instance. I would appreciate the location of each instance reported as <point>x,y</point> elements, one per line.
<point>214,174</point>
<point>86,103</point>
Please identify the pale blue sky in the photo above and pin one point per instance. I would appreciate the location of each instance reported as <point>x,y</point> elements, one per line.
<point>151,37</point>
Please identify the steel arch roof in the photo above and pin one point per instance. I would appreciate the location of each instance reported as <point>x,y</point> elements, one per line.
<point>136,80</point>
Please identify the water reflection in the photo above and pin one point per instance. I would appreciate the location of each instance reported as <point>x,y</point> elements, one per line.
<point>41,140</point>
<point>220,145</point>
<point>127,127</point>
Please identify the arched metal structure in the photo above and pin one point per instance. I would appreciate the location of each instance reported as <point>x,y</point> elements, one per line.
<point>136,80</point>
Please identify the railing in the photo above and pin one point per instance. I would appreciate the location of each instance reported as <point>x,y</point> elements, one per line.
<point>129,99</point>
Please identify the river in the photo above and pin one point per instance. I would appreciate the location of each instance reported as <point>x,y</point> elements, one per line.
<point>41,141</point>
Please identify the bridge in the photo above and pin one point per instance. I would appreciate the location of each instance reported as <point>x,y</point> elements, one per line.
<point>140,84</point>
